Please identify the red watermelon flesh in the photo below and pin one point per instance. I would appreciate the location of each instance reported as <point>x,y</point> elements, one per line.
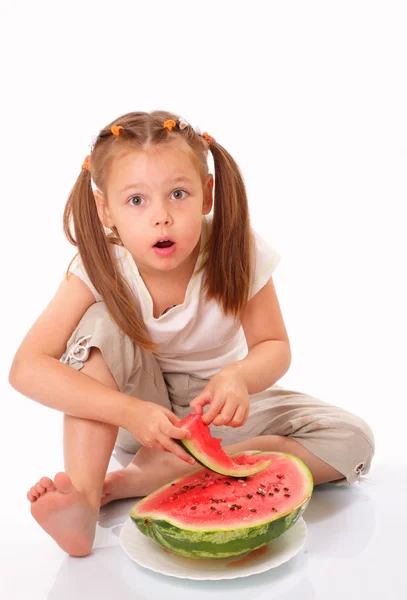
<point>208,451</point>
<point>205,500</point>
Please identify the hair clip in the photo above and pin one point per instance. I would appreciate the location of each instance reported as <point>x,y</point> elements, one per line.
<point>115,129</point>
<point>85,164</point>
<point>170,124</point>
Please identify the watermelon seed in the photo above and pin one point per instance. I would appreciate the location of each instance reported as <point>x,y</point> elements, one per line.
<point>253,510</point>
<point>271,494</point>
<point>232,508</point>
<point>249,496</point>
<point>288,495</point>
<point>238,506</point>
<point>193,507</point>
<point>274,509</point>
<point>227,482</point>
<point>173,484</point>
<point>244,484</point>
<point>219,512</point>
<point>276,490</point>
<point>213,507</point>
<point>280,476</point>
<point>241,480</point>
<point>262,485</point>
<point>286,489</point>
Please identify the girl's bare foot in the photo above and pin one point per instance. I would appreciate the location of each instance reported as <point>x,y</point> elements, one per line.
<point>149,470</point>
<point>64,513</point>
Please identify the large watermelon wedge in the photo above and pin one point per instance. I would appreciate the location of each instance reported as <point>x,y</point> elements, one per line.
<point>207,450</point>
<point>206,515</point>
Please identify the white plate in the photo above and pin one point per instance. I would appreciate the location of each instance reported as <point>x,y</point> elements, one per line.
<point>151,556</point>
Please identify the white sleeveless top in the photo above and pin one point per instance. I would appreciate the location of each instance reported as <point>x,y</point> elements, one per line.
<point>193,337</point>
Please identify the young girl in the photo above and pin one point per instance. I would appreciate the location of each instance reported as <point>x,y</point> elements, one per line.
<point>167,308</point>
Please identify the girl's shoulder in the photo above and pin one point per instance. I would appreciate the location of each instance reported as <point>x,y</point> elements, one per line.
<point>266,259</point>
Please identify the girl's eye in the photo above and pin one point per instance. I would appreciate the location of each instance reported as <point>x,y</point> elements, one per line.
<point>139,197</point>
<point>130,200</point>
<point>183,191</point>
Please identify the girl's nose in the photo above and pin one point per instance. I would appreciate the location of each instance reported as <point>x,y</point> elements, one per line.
<point>162,216</point>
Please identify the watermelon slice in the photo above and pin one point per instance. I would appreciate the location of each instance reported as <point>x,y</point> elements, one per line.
<point>206,515</point>
<point>207,450</point>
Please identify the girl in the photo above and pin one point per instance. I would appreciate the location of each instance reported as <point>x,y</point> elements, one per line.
<point>166,309</point>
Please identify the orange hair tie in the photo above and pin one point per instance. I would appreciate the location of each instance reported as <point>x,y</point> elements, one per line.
<point>208,138</point>
<point>170,124</point>
<point>115,129</point>
<point>85,164</point>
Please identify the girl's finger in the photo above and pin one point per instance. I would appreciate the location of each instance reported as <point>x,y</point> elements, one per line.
<point>199,402</point>
<point>176,449</point>
<point>175,432</point>
<point>229,410</point>
<point>238,417</point>
<point>213,411</point>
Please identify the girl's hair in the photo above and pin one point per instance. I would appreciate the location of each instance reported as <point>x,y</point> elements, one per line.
<point>228,250</point>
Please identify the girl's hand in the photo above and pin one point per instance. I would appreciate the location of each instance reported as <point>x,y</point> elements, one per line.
<point>155,426</point>
<point>228,397</point>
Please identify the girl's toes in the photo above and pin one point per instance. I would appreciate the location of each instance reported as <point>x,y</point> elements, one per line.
<point>40,489</point>
<point>31,497</point>
<point>63,483</point>
<point>47,483</point>
<point>34,492</point>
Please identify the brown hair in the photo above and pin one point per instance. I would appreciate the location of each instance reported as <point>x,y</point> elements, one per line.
<point>229,266</point>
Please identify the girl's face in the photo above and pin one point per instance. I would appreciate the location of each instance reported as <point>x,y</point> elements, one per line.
<point>152,194</point>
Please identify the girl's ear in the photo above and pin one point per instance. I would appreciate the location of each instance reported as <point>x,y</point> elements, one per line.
<point>103,209</point>
<point>208,196</point>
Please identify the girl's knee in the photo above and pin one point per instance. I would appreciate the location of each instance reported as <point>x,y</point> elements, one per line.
<point>113,353</point>
<point>97,368</point>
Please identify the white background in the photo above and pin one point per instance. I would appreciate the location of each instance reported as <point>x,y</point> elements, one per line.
<point>309,98</point>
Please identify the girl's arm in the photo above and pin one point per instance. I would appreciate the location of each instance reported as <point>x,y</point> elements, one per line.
<point>269,353</point>
<point>36,371</point>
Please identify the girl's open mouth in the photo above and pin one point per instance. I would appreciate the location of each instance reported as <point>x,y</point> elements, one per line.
<point>164,248</point>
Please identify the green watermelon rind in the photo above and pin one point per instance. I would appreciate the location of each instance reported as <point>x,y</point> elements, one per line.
<point>238,471</point>
<point>222,542</point>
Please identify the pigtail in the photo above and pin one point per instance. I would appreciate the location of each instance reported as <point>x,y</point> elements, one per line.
<point>93,246</point>
<point>230,247</point>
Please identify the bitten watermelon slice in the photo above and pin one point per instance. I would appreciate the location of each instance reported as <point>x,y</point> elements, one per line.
<point>207,450</point>
<point>206,515</point>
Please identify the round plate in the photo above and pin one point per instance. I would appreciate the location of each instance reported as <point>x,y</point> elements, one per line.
<point>152,556</point>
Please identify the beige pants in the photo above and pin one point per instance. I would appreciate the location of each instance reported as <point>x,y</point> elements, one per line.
<point>336,436</point>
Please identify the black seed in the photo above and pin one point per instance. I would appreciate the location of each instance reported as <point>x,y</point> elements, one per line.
<point>276,490</point>
<point>232,508</point>
<point>261,493</point>
<point>219,512</point>
<point>173,484</point>
<point>280,476</point>
<point>288,495</point>
<point>204,487</point>
<point>227,482</point>
<point>249,496</point>
<point>213,507</point>
<point>262,485</point>
<point>253,510</point>
<point>286,489</point>
<point>193,507</point>
<point>274,509</point>
<point>271,494</point>
<point>238,506</point>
